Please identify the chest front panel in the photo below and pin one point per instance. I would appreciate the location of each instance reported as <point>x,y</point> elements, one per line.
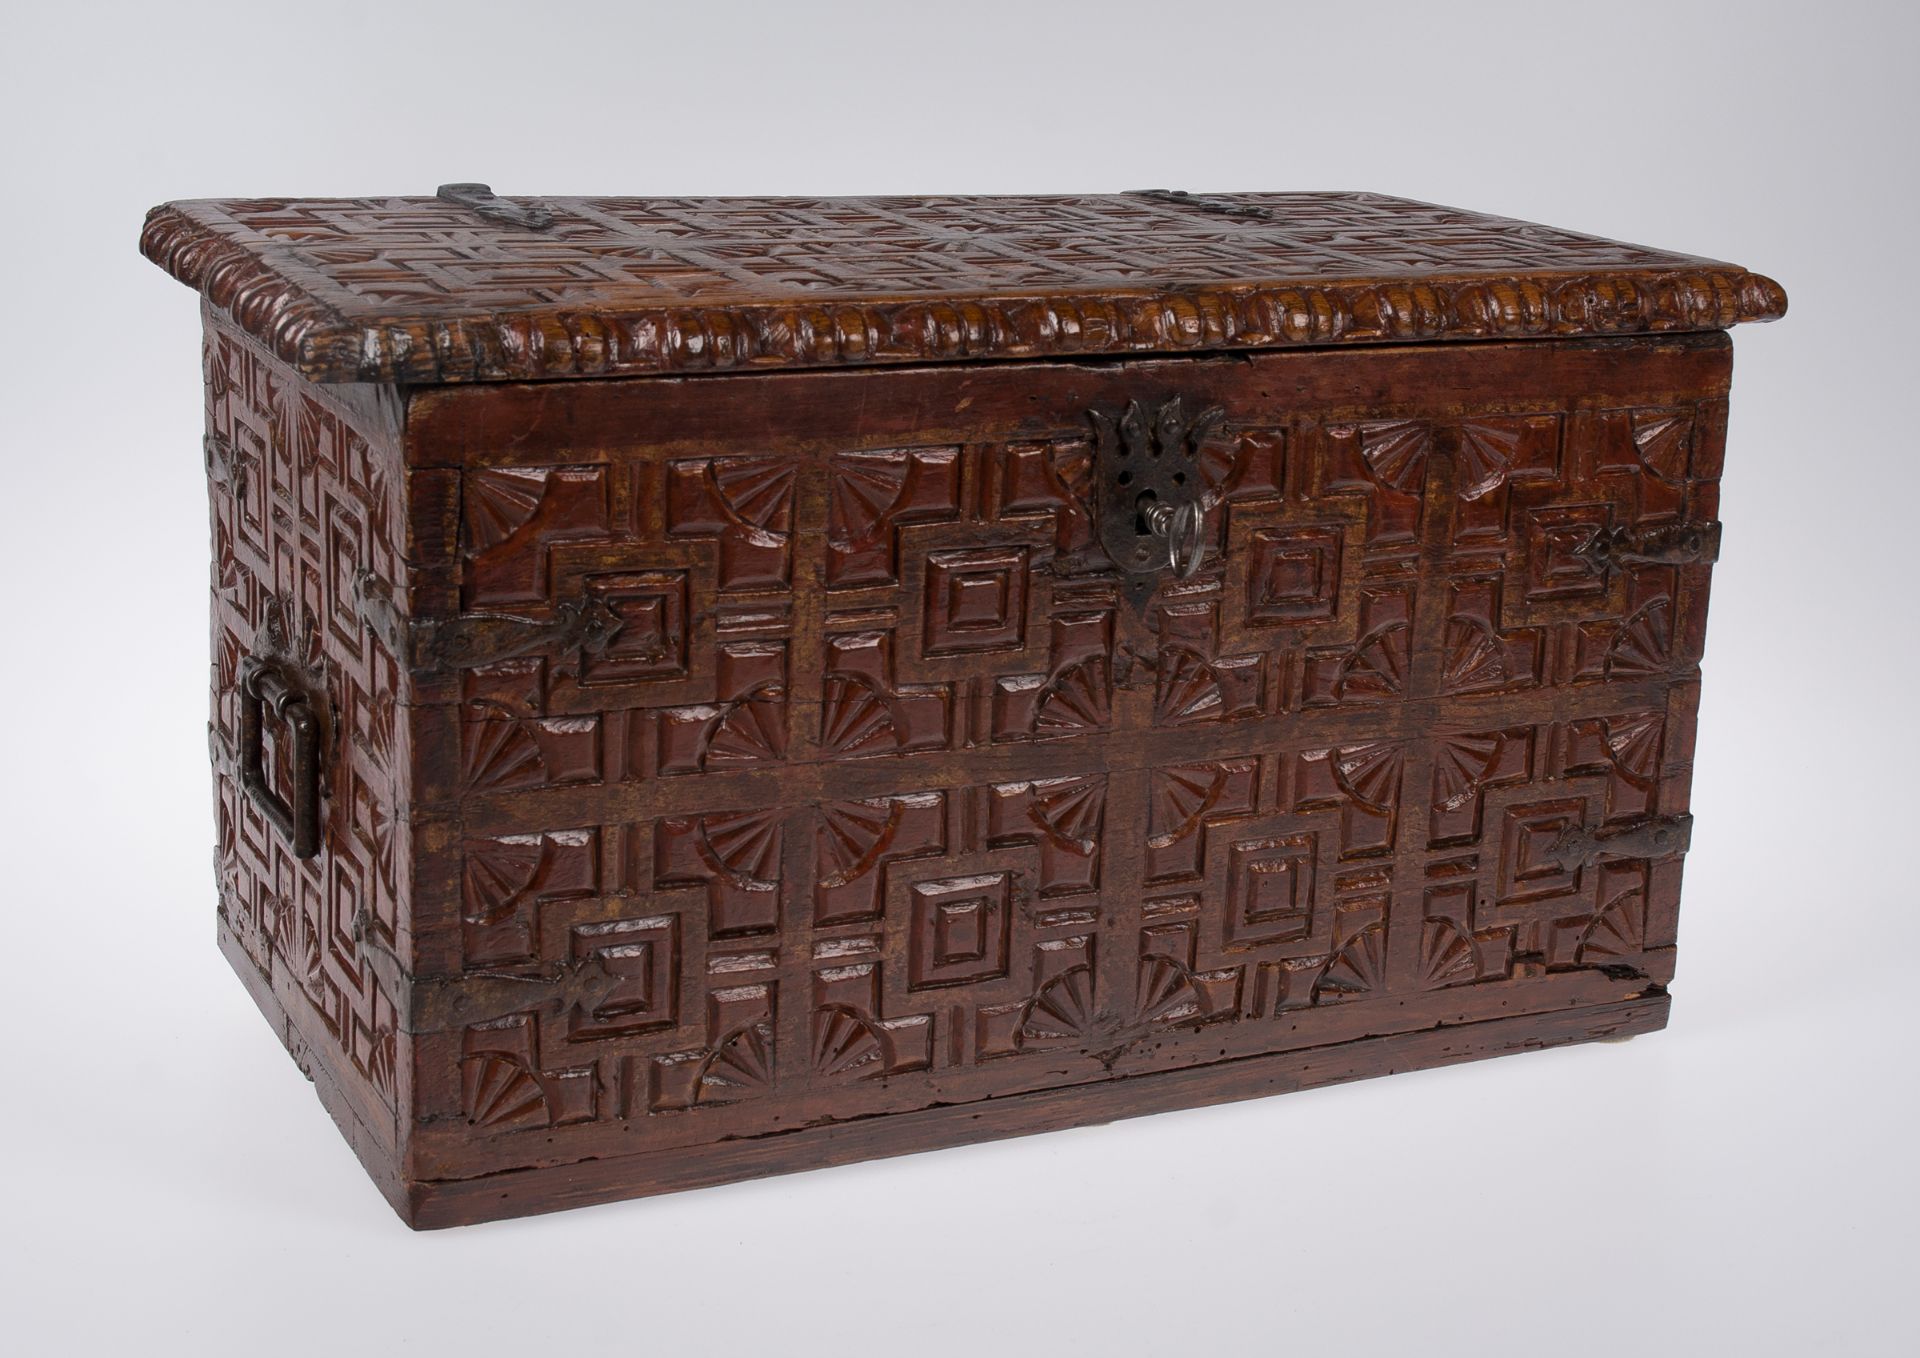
<point>798,753</point>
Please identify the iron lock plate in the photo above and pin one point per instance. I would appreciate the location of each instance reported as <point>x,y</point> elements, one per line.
<point>1150,495</point>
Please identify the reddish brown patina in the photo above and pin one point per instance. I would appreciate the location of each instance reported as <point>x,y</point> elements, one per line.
<point>794,739</point>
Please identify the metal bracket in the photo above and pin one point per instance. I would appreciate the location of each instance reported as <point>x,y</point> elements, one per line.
<point>1225,207</point>
<point>451,1004</point>
<point>225,466</point>
<point>480,198</point>
<point>1148,489</point>
<point>1665,544</point>
<point>1655,837</point>
<point>475,639</point>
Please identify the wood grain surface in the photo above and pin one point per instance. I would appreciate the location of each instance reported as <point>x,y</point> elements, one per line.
<point>714,763</point>
<point>427,290</point>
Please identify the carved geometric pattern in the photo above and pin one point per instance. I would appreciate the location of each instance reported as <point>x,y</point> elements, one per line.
<point>1075,696</point>
<point>965,600</point>
<point>641,959</point>
<point>960,930</point>
<point>1192,682</point>
<point>425,290</point>
<point>865,711</point>
<point>650,641</point>
<point>506,879</point>
<point>736,856</point>
<point>306,499</point>
<point>885,792</point>
<point>1294,575</point>
<point>976,600</point>
<point>735,1062</point>
<point>504,1088</point>
<point>1501,899</point>
<point>857,840</point>
<point>703,759</point>
<point>746,503</point>
<point>515,517</point>
<point>746,725</point>
<point>874,494</point>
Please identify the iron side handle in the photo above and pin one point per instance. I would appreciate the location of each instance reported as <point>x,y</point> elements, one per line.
<point>265,683</point>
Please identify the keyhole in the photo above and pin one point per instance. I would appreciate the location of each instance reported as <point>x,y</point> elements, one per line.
<point>1141,528</point>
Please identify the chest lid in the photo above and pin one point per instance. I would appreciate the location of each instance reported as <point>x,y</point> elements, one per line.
<point>470,287</point>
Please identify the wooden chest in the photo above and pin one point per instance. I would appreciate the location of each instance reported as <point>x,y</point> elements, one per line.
<point>707,687</point>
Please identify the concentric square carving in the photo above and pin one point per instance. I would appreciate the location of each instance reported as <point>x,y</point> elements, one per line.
<point>1269,889</point>
<point>1294,575</point>
<point>1529,868</point>
<point>651,642</point>
<point>1555,536</point>
<point>976,600</point>
<point>959,930</point>
<point>640,959</point>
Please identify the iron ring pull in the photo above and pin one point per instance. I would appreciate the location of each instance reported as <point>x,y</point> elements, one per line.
<point>265,683</point>
<point>1183,526</point>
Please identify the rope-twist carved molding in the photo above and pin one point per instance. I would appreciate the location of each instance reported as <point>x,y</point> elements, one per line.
<point>262,291</point>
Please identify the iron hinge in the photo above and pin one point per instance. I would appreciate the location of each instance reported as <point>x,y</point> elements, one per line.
<point>474,639</point>
<point>1663,544</point>
<point>446,1004</point>
<point>1654,837</point>
<point>480,199</point>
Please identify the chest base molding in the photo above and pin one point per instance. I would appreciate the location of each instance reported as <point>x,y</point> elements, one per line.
<point>434,1204</point>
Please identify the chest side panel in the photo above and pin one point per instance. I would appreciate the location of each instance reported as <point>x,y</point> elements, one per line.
<point>307,494</point>
<point>804,757</point>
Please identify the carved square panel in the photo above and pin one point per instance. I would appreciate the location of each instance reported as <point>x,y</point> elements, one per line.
<point>1269,890</point>
<point>1529,870</point>
<point>1555,537</point>
<point>976,600</point>
<point>652,638</point>
<point>959,930</point>
<point>1293,575</point>
<point>640,960</point>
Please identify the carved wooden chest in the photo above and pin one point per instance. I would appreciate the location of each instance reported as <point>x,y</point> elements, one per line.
<point>706,687</point>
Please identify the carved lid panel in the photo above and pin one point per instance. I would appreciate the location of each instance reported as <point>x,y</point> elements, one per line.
<point>470,287</point>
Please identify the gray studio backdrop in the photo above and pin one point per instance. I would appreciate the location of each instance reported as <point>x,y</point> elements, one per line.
<point>1742,1183</point>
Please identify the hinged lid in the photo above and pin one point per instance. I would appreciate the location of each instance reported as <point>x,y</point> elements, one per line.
<point>471,287</point>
